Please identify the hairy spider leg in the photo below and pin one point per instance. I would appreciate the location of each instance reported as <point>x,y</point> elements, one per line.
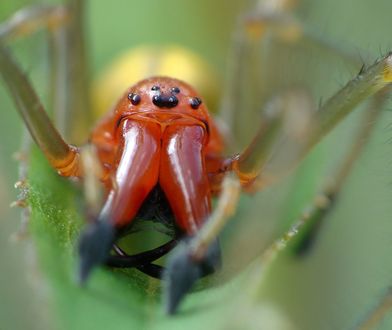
<point>252,165</point>
<point>366,84</point>
<point>326,199</point>
<point>275,20</point>
<point>323,203</point>
<point>255,166</point>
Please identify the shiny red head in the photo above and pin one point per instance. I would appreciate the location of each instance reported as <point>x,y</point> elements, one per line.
<point>164,100</point>
<point>159,134</point>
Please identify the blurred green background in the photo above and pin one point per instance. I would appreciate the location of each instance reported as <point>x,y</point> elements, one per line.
<point>348,270</point>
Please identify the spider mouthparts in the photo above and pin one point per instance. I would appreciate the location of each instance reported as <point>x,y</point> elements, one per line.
<point>94,247</point>
<point>183,271</point>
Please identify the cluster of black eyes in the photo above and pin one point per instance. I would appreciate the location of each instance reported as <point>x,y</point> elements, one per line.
<point>194,102</point>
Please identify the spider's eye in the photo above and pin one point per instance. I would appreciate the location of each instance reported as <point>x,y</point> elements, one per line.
<point>175,90</point>
<point>172,100</point>
<point>155,88</point>
<point>195,102</point>
<point>163,101</point>
<point>134,98</point>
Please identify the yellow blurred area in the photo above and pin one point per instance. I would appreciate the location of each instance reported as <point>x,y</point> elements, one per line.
<point>147,61</point>
<point>388,69</point>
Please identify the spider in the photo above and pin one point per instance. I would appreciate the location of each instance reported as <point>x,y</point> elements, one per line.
<point>257,167</point>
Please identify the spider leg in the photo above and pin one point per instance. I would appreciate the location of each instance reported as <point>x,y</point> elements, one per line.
<point>251,165</point>
<point>325,200</point>
<point>123,260</point>
<point>282,136</point>
<point>68,83</point>
<point>254,67</point>
<point>254,165</point>
<point>29,19</point>
<point>23,23</point>
<point>327,197</point>
<point>152,270</point>
<point>62,156</point>
<point>70,76</point>
<point>278,18</point>
<point>142,261</point>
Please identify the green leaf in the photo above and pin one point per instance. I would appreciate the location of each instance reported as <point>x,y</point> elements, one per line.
<point>125,298</point>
